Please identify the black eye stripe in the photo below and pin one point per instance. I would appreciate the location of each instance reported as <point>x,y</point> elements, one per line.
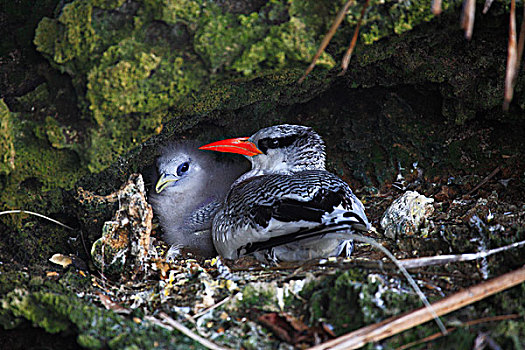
<point>277,142</point>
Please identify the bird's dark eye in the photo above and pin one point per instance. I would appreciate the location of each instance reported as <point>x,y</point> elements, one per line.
<point>278,142</point>
<point>183,168</point>
<point>273,143</point>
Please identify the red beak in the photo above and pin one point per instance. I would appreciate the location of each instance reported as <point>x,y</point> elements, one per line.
<point>240,145</point>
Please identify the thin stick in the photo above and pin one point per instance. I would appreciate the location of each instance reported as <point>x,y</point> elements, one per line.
<point>436,7</point>
<point>214,306</point>
<point>484,181</point>
<point>158,322</point>
<point>521,43</point>
<point>413,263</point>
<point>36,214</point>
<point>348,235</point>
<point>486,8</point>
<point>418,291</point>
<point>511,58</point>
<point>186,331</point>
<point>445,259</point>
<point>451,329</point>
<point>337,22</point>
<point>468,15</point>
<point>395,325</point>
<point>348,54</point>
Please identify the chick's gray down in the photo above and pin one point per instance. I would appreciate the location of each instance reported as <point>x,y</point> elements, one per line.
<point>190,189</point>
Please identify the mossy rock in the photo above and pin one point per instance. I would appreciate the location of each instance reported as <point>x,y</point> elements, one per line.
<point>7,148</point>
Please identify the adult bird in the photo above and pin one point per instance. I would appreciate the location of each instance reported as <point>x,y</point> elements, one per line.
<point>287,207</point>
<point>188,193</point>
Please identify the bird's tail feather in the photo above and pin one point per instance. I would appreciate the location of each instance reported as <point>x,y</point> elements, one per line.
<point>301,234</point>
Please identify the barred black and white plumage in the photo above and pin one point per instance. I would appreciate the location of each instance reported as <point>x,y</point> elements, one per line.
<point>287,206</point>
<point>189,192</point>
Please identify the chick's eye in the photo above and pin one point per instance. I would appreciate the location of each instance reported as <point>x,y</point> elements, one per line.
<point>183,168</point>
<point>274,143</point>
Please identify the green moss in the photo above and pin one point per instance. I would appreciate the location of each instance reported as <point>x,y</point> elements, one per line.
<point>117,136</point>
<point>38,166</point>
<point>56,308</point>
<point>135,78</point>
<point>379,301</point>
<point>131,81</point>
<point>402,16</point>
<point>260,295</point>
<point>108,4</point>
<point>71,37</point>
<point>46,35</point>
<point>39,96</point>
<point>349,300</point>
<point>249,44</point>
<point>334,299</point>
<point>222,37</point>
<point>34,308</point>
<point>89,341</point>
<point>52,132</point>
<point>283,44</point>
<point>180,11</point>
<point>115,88</point>
<point>7,149</point>
<point>36,159</point>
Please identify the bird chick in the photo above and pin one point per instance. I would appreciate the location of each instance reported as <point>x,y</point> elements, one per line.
<point>188,193</point>
<point>287,207</point>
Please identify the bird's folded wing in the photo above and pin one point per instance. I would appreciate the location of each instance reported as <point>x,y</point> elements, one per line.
<point>326,212</point>
<point>271,210</point>
<point>202,216</point>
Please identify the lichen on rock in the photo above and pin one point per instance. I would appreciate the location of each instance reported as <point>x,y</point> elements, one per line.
<point>406,215</point>
<point>7,149</point>
<point>122,250</point>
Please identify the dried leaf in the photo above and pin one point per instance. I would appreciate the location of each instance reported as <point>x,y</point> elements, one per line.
<point>277,325</point>
<point>293,330</point>
<point>111,305</point>
<point>60,259</point>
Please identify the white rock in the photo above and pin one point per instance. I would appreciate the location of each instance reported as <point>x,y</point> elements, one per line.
<point>407,214</point>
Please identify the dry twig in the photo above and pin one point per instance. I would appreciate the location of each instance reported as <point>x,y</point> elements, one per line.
<point>521,42</point>
<point>436,7</point>
<point>337,22</point>
<point>451,329</point>
<point>486,8</point>
<point>348,54</point>
<point>214,306</point>
<point>484,181</point>
<point>395,325</point>
<point>467,17</point>
<point>186,331</point>
<point>512,58</point>
<point>445,259</point>
<point>413,263</point>
<point>36,214</point>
